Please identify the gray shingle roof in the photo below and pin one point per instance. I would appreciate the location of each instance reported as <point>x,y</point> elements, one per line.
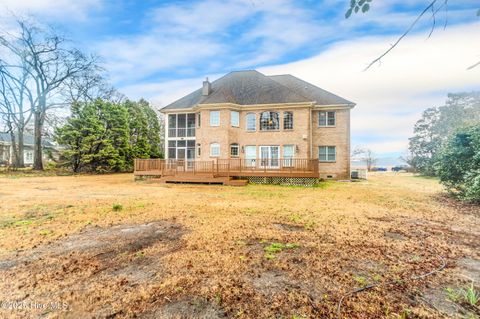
<point>310,91</point>
<point>253,87</point>
<point>27,139</point>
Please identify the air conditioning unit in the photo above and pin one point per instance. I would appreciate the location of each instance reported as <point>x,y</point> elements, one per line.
<point>304,136</point>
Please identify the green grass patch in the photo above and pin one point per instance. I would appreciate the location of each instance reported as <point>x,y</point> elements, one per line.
<point>275,248</point>
<point>360,280</point>
<point>117,207</point>
<point>45,232</point>
<point>468,295</point>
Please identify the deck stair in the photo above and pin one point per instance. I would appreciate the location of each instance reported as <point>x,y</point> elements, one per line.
<point>187,178</point>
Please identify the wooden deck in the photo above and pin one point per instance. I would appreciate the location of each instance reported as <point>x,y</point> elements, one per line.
<point>224,171</point>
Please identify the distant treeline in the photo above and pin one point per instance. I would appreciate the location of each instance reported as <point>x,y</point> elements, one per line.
<point>446,143</point>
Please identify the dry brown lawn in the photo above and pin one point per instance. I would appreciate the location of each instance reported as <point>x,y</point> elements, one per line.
<point>108,247</point>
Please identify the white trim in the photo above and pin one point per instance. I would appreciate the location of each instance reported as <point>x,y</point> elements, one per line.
<point>210,118</point>
<point>237,124</point>
<point>212,144</point>
<point>326,118</point>
<point>327,154</point>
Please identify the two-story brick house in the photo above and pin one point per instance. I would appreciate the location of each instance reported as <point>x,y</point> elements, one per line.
<point>267,122</point>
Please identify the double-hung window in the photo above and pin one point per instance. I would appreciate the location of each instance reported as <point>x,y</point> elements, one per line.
<point>288,120</point>
<point>326,118</point>
<point>251,122</point>
<point>214,118</point>
<point>215,149</point>
<point>235,118</point>
<point>234,150</point>
<point>327,153</point>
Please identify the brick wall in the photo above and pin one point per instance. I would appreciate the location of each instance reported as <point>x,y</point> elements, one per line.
<point>303,118</point>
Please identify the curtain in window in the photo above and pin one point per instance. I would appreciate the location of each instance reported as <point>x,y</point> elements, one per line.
<point>269,121</point>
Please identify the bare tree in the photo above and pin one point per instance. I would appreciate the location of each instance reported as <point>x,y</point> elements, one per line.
<point>88,86</point>
<point>51,63</point>
<point>15,106</point>
<point>366,155</point>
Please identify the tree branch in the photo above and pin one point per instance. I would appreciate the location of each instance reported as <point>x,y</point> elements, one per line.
<point>429,7</point>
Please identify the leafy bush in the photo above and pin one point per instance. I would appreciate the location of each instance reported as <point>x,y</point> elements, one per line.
<point>459,163</point>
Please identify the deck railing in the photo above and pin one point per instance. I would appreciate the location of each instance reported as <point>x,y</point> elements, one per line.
<point>229,167</point>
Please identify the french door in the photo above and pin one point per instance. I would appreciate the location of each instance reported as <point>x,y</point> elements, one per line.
<point>269,156</point>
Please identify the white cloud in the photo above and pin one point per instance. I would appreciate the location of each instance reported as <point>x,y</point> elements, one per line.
<point>390,96</point>
<point>212,34</point>
<point>59,9</point>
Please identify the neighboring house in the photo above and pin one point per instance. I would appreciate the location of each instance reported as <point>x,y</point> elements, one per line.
<point>6,149</point>
<point>270,125</point>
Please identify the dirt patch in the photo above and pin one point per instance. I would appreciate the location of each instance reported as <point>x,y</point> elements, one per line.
<point>437,299</point>
<point>271,282</point>
<point>394,235</point>
<point>197,308</point>
<point>103,243</point>
<point>469,269</point>
<point>289,227</point>
<point>93,262</point>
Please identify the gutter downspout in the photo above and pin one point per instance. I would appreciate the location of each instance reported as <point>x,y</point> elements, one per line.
<point>311,131</point>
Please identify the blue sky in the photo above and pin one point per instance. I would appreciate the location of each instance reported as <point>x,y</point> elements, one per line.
<point>161,50</point>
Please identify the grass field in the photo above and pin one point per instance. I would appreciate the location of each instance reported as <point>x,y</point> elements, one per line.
<point>108,247</point>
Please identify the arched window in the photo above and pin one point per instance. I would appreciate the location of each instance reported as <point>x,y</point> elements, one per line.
<point>251,122</point>
<point>215,149</point>
<point>234,150</point>
<point>269,121</point>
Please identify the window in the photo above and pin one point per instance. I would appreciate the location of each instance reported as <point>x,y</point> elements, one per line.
<point>288,151</point>
<point>199,150</point>
<point>251,122</point>
<point>29,156</point>
<point>288,120</point>
<point>326,118</point>
<point>181,125</point>
<point>250,155</point>
<point>172,150</point>
<point>235,118</point>
<point>234,150</point>
<point>172,125</point>
<point>269,121</point>
<point>199,119</point>
<point>181,149</point>
<point>191,125</point>
<point>214,149</point>
<point>214,118</point>
<point>327,153</point>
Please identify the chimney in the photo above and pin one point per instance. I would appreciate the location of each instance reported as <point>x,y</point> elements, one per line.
<point>207,87</point>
